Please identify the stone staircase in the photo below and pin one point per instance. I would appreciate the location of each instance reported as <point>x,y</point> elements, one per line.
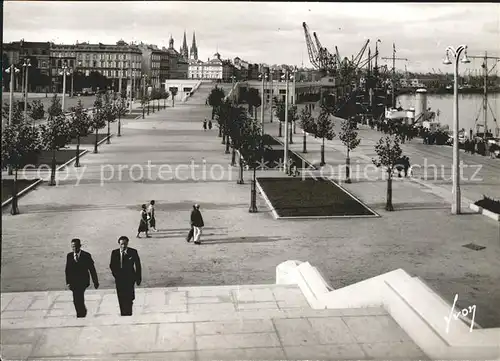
<point>390,316</point>
<point>200,96</point>
<point>272,322</point>
<point>416,308</point>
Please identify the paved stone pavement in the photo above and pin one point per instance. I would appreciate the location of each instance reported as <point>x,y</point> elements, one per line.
<point>239,248</point>
<point>272,322</point>
<point>481,175</point>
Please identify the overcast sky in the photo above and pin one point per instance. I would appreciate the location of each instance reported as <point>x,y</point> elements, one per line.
<point>267,32</point>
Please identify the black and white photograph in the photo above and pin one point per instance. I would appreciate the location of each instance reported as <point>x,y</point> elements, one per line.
<point>211,180</point>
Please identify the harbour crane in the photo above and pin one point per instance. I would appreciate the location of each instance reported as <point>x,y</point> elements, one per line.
<point>348,71</point>
<point>311,48</point>
<point>319,56</point>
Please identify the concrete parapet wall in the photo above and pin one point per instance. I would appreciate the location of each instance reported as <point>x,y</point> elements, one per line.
<point>419,311</point>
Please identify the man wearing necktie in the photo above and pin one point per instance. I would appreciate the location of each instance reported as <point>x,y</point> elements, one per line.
<point>125,266</point>
<point>78,266</point>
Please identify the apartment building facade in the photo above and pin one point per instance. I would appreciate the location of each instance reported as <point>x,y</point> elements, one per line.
<point>115,62</point>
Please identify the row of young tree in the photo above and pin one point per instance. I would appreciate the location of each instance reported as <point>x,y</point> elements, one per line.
<point>388,148</point>
<point>241,132</point>
<point>156,95</point>
<point>22,141</point>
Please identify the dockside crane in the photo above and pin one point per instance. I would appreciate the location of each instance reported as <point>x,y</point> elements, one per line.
<point>311,48</point>
<point>348,71</point>
<point>319,56</point>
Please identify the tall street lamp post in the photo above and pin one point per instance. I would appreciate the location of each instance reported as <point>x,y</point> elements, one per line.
<point>271,95</point>
<point>293,97</point>
<point>144,77</point>
<point>12,70</point>
<point>72,79</point>
<point>26,65</point>
<point>456,199</point>
<point>263,77</point>
<point>65,71</point>
<point>130,84</point>
<point>287,77</point>
<point>233,78</point>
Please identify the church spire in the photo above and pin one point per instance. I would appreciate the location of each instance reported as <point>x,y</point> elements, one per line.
<point>171,42</point>
<point>193,53</point>
<point>185,50</point>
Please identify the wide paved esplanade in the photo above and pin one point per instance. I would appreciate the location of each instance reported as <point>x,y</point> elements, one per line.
<point>209,199</point>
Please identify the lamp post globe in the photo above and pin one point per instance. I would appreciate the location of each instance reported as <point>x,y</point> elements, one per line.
<point>455,54</point>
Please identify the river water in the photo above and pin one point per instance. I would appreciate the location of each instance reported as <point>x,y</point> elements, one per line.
<point>470,108</point>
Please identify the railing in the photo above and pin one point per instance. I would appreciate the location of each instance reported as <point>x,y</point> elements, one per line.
<point>230,94</point>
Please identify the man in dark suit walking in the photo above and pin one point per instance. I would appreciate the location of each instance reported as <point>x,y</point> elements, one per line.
<point>78,266</point>
<point>125,265</point>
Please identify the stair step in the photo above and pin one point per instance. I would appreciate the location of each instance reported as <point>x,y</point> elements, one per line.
<point>69,319</point>
<point>165,305</point>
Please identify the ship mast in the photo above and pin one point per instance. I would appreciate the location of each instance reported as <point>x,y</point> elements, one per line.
<point>394,73</point>
<point>485,89</point>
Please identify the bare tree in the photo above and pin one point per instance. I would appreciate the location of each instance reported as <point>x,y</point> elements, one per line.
<point>307,124</point>
<point>19,142</point>
<point>349,136</point>
<point>389,152</point>
<point>324,130</point>
<point>55,134</point>
<point>80,126</point>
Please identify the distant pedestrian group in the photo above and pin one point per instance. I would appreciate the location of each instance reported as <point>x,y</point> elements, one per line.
<point>205,124</point>
<point>125,266</point>
<point>403,165</point>
<point>147,220</point>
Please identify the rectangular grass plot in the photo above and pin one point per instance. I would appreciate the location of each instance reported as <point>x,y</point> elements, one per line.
<point>473,246</point>
<point>309,197</point>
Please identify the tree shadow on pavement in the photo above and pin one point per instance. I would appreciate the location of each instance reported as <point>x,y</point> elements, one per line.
<point>255,239</point>
<point>181,234</point>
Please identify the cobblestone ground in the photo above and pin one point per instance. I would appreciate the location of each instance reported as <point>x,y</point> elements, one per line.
<point>239,248</point>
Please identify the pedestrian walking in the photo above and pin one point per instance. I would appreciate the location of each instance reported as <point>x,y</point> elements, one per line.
<point>79,265</point>
<point>210,124</point>
<point>151,216</point>
<point>143,223</point>
<point>190,234</point>
<point>406,165</point>
<point>197,223</point>
<point>125,266</point>
<point>205,124</point>
<point>492,150</point>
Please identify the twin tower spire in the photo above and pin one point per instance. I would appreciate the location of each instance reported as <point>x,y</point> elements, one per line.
<point>189,53</point>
